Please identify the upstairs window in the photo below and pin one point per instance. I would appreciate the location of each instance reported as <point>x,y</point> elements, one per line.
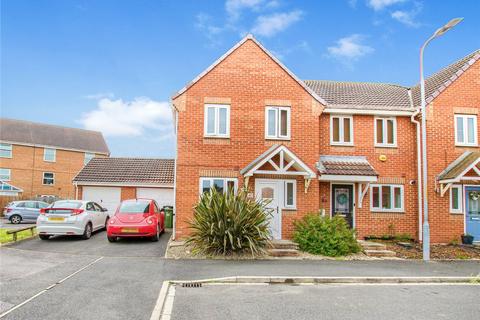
<point>48,178</point>
<point>465,130</point>
<point>341,130</point>
<point>277,123</point>
<point>385,132</point>
<point>49,154</point>
<point>221,184</point>
<point>5,150</point>
<point>217,120</point>
<point>88,157</point>
<point>5,174</point>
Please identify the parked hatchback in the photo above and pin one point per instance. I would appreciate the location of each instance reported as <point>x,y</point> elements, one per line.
<point>136,218</point>
<point>71,217</point>
<point>28,211</point>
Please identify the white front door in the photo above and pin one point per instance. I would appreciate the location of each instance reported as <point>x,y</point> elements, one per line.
<point>270,190</point>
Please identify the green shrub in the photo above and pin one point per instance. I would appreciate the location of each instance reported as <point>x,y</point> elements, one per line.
<point>226,223</point>
<point>325,236</point>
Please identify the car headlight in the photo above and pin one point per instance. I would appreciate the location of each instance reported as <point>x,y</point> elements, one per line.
<point>112,221</point>
<point>149,221</point>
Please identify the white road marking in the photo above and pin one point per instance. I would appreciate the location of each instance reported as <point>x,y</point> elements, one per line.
<point>48,288</point>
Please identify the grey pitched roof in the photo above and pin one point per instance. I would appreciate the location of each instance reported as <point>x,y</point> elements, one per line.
<point>440,80</point>
<point>362,95</point>
<point>128,170</point>
<point>31,133</point>
<point>345,166</point>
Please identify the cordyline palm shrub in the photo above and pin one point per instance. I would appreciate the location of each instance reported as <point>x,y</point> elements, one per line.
<point>226,223</point>
<point>325,236</point>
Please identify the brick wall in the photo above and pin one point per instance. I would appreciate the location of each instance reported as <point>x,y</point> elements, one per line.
<point>250,80</point>
<point>462,96</point>
<point>400,166</point>
<point>27,167</point>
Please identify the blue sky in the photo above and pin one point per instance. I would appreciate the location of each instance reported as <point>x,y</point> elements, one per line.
<point>112,65</point>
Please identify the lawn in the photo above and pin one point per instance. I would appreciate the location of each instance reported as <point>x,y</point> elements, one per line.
<point>4,237</point>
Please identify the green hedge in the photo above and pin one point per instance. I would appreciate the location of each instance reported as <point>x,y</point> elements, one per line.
<point>325,236</point>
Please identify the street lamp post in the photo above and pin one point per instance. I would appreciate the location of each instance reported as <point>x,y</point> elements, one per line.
<point>426,227</point>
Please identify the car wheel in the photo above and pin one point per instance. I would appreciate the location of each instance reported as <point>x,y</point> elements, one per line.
<point>112,239</point>
<point>157,234</point>
<point>44,236</point>
<point>15,219</point>
<point>87,233</point>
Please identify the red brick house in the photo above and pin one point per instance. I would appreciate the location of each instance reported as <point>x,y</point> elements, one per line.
<point>318,146</point>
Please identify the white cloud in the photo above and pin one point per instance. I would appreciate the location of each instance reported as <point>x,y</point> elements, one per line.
<point>129,118</point>
<point>234,8</point>
<point>100,95</point>
<point>270,25</point>
<point>378,5</point>
<point>350,48</point>
<point>408,17</point>
<point>204,23</point>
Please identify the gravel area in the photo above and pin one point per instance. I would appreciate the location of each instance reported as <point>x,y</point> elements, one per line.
<point>438,251</point>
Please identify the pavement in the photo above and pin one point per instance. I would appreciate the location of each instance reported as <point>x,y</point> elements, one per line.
<point>94,278</point>
<point>286,302</point>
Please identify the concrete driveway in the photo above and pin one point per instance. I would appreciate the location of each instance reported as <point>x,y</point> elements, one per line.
<point>98,245</point>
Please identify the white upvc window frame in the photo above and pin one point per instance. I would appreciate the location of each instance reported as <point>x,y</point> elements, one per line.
<point>6,147</point>
<point>384,143</point>
<point>225,181</point>
<point>278,135</point>
<point>53,178</point>
<point>216,133</point>
<point>392,198</point>
<point>465,118</point>
<point>341,133</point>
<point>292,206</point>
<point>459,189</point>
<point>89,156</point>
<point>45,155</point>
<point>8,173</point>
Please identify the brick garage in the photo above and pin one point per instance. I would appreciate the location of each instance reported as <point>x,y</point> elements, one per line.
<point>248,80</point>
<point>111,180</point>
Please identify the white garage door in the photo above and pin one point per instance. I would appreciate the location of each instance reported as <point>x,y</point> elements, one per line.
<point>108,197</point>
<point>163,196</point>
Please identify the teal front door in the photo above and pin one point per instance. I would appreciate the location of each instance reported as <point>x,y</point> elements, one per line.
<point>472,212</point>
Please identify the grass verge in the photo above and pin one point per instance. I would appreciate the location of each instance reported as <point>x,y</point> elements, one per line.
<point>4,237</point>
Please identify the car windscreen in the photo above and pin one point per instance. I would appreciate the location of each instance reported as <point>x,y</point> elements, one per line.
<point>132,207</point>
<point>67,204</point>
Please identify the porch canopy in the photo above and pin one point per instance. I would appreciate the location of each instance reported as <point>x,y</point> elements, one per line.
<point>346,168</point>
<point>7,189</point>
<point>278,160</point>
<point>463,170</point>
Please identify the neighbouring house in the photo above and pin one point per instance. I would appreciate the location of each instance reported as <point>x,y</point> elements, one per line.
<point>40,160</point>
<point>108,181</point>
<point>330,147</point>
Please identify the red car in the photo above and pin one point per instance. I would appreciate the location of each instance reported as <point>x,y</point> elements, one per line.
<point>136,218</point>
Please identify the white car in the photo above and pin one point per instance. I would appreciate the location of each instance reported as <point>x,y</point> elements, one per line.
<point>71,217</point>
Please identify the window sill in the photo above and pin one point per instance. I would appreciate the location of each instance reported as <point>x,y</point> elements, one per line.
<point>216,137</point>
<point>466,145</point>
<point>277,139</point>
<point>3,157</point>
<point>456,213</point>
<point>333,144</point>
<point>387,211</point>
<point>289,209</point>
<point>393,146</point>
